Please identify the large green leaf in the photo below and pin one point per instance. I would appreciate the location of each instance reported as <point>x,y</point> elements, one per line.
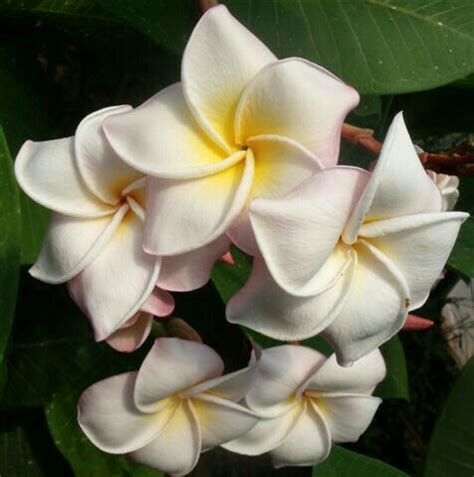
<point>395,385</point>
<point>451,451</point>
<point>379,46</point>
<point>9,248</point>
<point>344,463</point>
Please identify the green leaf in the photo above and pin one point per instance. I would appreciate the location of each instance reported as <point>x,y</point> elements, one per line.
<point>462,256</point>
<point>395,385</point>
<point>379,46</point>
<point>345,463</point>
<point>451,451</point>
<point>9,246</point>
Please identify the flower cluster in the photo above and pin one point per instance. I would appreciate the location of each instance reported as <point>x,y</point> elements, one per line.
<point>243,150</point>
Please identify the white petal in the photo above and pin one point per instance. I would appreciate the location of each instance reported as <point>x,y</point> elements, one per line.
<point>72,243</point>
<point>280,165</point>
<point>267,434</point>
<point>362,377</point>
<point>264,307</point>
<point>280,373</point>
<point>419,245</point>
<point>189,214</point>
<point>118,282</point>
<point>191,270</point>
<point>347,416</point>
<point>220,420</point>
<point>221,57</point>
<point>47,172</point>
<point>102,170</point>
<point>171,366</point>
<point>161,138</point>
<point>375,310</point>
<point>299,100</point>
<point>159,303</point>
<point>110,419</point>
<point>131,336</point>
<point>309,442</point>
<point>176,449</point>
<point>298,233</point>
<point>398,186</point>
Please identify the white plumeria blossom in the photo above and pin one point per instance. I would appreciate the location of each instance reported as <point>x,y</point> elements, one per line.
<point>306,401</point>
<point>175,407</point>
<point>348,253</point>
<point>449,187</point>
<point>241,124</point>
<point>94,240</point>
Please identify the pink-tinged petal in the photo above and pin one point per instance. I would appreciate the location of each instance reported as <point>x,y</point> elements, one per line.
<point>110,419</point>
<point>228,258</point>
<point>47,172</point>
<point>176,449</point>
<point>398,186</point>
<point>112,288</point>
<point>202,209</point>
<point>280,373</point>
<point>161,138</point>
<point>221,57</point>
<point>72,243</point>
<point>264,307</point>
<point>133,334</point>
<point>375,310</point>
<point>308,443</point>
<point>298,233</point>
<point>417,323</point>
<point>299,100</point>
<point>267,434</point>
<point>172,366</point>
<point>362,377</point>
<point>191,270</point>
<point>419,245</point>
<point>220,420</point>
<point>104,173</point>
<point>159,303</point>
<point>280,165</point>
<point>347,416</point>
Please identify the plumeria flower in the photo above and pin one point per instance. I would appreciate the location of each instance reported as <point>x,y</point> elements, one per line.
<point>241,124</point>
<point>94,240</point>
<point>348,253</point>
<point>306,402</point>
<point>175,407</point>
<point>448,185</point>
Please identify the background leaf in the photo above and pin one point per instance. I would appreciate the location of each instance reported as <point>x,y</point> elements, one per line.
<point>462,256</point>
<point>9,248</point>
<point>451,451</point>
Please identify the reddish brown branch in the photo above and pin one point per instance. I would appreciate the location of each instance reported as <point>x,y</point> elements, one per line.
<point>204,5</point>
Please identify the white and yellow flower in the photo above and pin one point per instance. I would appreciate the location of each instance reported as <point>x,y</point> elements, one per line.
<point>175,407</point>
<point>306,402</point>
<point>348,253</point>
<point>241,124</point>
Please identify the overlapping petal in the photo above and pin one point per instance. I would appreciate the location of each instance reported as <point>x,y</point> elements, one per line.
<point>72,243</point>
<point>133,334</point>
<point>159,303</point>
<point>189,214</point>
<point>298,233</point>
<point>105,174</point>
<point>112,288</point>
<point>47,172</point>
<point>174,365</point>
<point>300,100</point>
<point>176,449</point>
<point>109,418</point>
<point>191,270</point>
<point>221,57</point>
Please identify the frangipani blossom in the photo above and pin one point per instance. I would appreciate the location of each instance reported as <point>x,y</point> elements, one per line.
<point>175,407</point>
<point>306,402</point>
<point>241,124</point>
<point>94,240</point>
<point>348,253</point>
<point>448,185</point>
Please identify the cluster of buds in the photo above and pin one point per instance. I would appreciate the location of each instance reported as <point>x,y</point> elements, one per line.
<point>243,150</point>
